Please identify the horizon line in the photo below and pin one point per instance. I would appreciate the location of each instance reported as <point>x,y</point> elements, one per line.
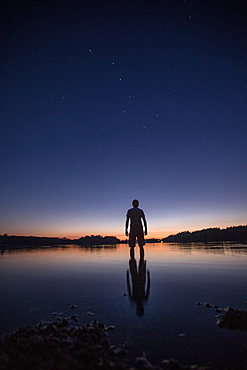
<point>115,236</point>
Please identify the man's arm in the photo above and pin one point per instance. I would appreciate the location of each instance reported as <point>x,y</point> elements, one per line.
<point>126,226</point>
<point>145,225</point>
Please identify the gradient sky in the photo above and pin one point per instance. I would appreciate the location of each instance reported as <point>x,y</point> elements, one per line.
<point>106,101</point>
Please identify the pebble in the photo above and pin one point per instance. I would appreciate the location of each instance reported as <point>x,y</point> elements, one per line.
<point>208,305</point>
<point>218,310</point>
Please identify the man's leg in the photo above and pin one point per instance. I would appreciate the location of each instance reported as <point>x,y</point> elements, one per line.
<point>132,239</point>
<point>132,243</point>
<point>141,242</point>
<point>141,252</point>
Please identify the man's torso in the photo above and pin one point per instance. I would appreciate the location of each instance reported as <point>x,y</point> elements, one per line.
<point>135,215</point>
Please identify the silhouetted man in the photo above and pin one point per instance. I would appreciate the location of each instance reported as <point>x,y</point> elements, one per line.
<point>135,216</point>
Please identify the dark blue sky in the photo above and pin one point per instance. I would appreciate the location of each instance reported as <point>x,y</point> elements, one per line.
<point>103,102</point>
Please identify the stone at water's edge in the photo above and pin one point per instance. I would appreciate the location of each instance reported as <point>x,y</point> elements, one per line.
<point>233,319</point>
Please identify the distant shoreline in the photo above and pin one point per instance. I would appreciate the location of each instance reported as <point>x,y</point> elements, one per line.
<point>6,240</point>
<point>212,235</point>
<point>230,234</point>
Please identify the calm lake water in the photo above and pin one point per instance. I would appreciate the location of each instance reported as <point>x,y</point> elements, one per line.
<point>151,303</point>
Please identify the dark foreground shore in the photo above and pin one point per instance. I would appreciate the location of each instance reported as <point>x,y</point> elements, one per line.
<point>59,345</point>
<point>62,345</point>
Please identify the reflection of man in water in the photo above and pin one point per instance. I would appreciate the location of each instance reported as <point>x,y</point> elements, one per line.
<point>135,216</point>
<point>138,291</point>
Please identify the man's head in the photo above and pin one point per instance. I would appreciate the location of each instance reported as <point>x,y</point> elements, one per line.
<point>135,203</point>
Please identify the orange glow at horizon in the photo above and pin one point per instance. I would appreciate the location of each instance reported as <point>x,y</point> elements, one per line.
<point>73,233</point>
<point>77,235</point>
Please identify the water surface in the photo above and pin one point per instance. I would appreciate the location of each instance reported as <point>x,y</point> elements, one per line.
<point>151,303</point>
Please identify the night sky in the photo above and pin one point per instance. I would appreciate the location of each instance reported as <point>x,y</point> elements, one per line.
<point>104,102</point>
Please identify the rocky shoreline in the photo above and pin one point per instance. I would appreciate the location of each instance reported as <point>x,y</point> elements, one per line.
<point>61,345</point>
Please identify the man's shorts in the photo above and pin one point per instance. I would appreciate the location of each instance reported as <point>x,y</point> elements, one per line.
<point>136,233</point>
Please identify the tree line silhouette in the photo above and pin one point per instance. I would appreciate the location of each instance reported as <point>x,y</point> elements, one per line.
<point>6,240</point>
<point>233,233</point>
